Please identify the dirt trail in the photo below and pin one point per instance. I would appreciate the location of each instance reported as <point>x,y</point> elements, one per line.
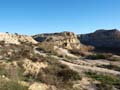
<point>78,68</point>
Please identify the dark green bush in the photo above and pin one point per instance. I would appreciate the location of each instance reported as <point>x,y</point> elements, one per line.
<point>68,74</point>
<point>97,56</point>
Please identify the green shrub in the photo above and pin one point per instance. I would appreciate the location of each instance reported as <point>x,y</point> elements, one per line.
<point>46,47</point>
<point>11,85</point>
<point>97,56</point>
<point>68,74</point>
<point>14,73</point>
<point>2,71</point>
<point>106,80</point>
<point>12,52</point>
<point>110,66</point>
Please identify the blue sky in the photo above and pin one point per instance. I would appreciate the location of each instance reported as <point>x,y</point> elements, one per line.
<point>44,16</point>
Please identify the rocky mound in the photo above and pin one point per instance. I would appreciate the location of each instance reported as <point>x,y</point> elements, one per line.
<point>64,39</point>
<point>16,39</point>
<point>102,38</point>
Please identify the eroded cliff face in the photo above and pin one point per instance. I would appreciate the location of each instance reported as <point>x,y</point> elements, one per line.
<point>64,39</point>
<point>16,39</point>
<point>102,38</point>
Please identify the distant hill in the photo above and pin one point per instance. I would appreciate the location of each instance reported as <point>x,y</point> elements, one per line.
<point>102,38</point>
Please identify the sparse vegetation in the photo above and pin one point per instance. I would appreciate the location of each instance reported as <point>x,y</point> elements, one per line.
<point>13,73</point>
<point>12,52</point>
<point>68,74</point>
<point>46,47</point>
<point>87,48</point>
<point>2,71</point>
<point>115,59</point>
<point>58,74</point>
<point>98,56</point>
<point>11,85</point>
<point>108,81</point>
<point>110,66</point>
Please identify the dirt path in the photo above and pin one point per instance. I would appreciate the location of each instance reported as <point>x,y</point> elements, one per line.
<point>78,68</point>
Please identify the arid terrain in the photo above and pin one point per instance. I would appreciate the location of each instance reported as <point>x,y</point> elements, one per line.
<point>60,61</point>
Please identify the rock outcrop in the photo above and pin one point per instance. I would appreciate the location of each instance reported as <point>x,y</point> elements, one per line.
<point>102,38</point>
<point>66,40</point>
<point>32,68</point>
<point>16,39</point>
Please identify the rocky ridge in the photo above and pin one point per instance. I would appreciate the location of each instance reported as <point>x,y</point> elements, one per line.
<point>64,39</point>
<point>15,38</point>
<point>102,38</point>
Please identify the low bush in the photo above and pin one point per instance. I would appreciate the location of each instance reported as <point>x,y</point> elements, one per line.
<point>87,48</point>
<point>13,73</point>
<point>58,74</point>
<point>110,66</point>
<point>68,74</point>
<point>11,85</point>
<point>2,71</point>
<point>46,47</point>
<point>106,80</point>
<point>98,56</point>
